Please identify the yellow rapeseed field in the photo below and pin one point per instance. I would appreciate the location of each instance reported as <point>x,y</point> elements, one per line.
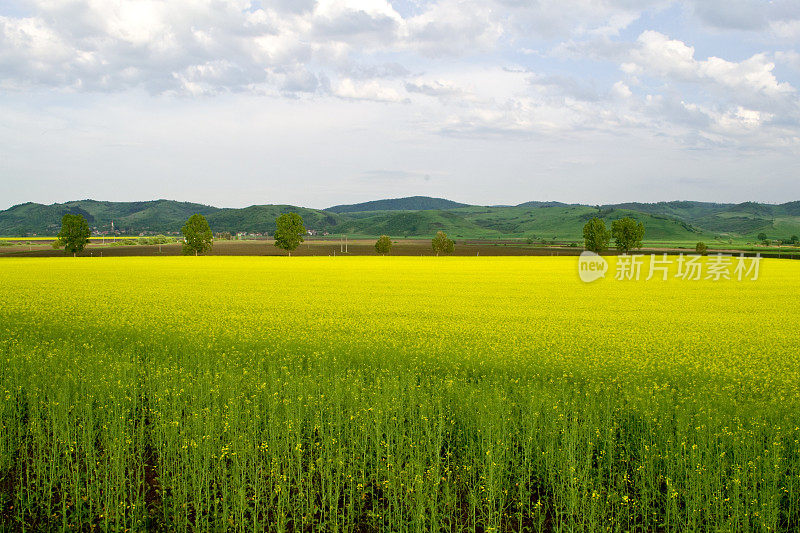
<point>394,394</point>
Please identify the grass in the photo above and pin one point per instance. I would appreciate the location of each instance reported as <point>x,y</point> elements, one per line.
<point>359,394</point>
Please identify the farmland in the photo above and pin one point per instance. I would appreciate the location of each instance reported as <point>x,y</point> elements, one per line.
<point>394,393</point>
<point>362,246</point>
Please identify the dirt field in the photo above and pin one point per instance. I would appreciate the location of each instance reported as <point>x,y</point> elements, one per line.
<point>403,247</point>
<point>308,248</point>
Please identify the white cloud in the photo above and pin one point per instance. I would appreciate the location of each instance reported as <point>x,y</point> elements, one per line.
<point>621,90</point>
<point>789,57</point>
<point>558,87</point>
<point>368,22</point>
<point>732,14</point>
<point>301,80</point>
<point>438,88</point>
<point>370,90</point>
<point>787,29</point>
<point>751,80</point>
<point>779,16</point>
<point>554,18</point>
<point>452,27</point>
<point>211,47</point>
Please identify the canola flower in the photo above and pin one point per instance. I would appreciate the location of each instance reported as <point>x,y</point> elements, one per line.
<point>390,394</point>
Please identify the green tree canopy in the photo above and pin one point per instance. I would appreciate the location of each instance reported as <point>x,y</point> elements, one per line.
<point>197,235</point>
<point>627,233</point>
<point>701,248</point>
<point>762,236</point>
<point>383,245</point>
<point>596,235</point>
<point>289,232</point>
<point>74,234</point>
<point>441,244</point>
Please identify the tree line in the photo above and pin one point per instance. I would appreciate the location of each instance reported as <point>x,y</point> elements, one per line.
<point>198,238</point>
<point>290,231</point>
<point>626,232</point>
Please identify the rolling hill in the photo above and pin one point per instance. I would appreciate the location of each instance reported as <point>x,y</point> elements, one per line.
<point>746,219</point>
<point>410,203</point>
<point>154,216</point>
<point>157,216</point>
<point>420,216</point>
<point>261,218</point>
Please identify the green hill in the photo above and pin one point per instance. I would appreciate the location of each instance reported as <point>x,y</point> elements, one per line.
<point>158,216</point>
<point>663,221</point>
<point>410,203</point>
<point>567,221</point>
<point>682,210</point>
<point>539,204</point>
<point>745,220</point>
<point>261,218</point>
<point>417,223</point>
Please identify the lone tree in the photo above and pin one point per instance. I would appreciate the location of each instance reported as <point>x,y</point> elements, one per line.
<point>701,248</point>
<point>596,235</point>
<point>197,235</point>
<point>383,245</point>
<point>74,234</point>
<point>441,244</point>
<point>289,232</point>
<point>762,236</point>
<point>627,234</point>
<point>795,240</point>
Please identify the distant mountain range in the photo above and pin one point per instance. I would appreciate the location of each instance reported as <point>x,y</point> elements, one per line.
<point>411,203</point>
<point>423,216</point>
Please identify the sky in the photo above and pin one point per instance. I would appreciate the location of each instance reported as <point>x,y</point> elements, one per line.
<point>318,103</point>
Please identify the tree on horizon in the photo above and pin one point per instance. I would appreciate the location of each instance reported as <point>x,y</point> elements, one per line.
<point>596,236</point>
<point>289,231</point>
<point>627,233</point>
<point>74,234</point>
<point>383,245</point>
<point>197,235</point>
<point>441,244</point>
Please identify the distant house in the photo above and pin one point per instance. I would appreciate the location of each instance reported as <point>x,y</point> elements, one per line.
<point>311,231</point>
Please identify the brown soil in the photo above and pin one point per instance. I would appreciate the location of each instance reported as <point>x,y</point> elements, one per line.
<point>311,248</point>
<point>408,247</point>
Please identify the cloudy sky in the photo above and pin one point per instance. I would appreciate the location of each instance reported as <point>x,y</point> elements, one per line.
<point>233,103</point>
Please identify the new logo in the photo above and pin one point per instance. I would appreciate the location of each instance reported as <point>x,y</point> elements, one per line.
<point>591,267</point>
